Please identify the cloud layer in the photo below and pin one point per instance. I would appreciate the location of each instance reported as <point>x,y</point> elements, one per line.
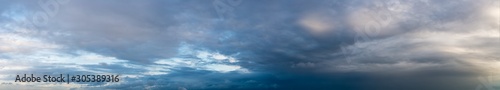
<point>257,44</point>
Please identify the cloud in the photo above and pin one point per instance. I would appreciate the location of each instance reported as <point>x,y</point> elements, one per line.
<point>298,44</point>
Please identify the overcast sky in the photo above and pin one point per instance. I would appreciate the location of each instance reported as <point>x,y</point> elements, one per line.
<point>254,44</point>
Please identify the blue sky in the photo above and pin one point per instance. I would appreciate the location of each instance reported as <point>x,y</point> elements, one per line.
<point>254,44</point>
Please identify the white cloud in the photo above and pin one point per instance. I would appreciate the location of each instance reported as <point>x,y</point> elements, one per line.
<point>157,70</point>
<point>205,60</point>
<point>222,68</point>
<point>218,56</point>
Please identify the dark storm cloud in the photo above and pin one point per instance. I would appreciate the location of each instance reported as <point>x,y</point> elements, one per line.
<point>145,31</point>
<point>130,30</point>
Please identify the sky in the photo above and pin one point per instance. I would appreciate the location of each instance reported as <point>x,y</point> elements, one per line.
<point>253,44</point>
